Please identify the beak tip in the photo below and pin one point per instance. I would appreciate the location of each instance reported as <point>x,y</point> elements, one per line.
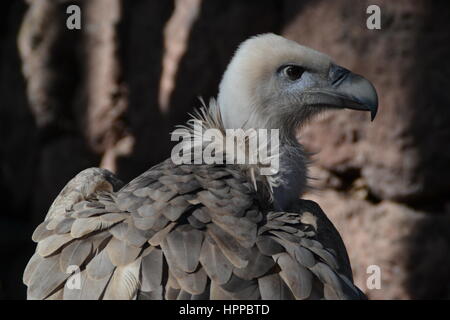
<point>373,113</point>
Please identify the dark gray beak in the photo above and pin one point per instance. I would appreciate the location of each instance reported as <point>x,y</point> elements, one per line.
<point>345,89</point>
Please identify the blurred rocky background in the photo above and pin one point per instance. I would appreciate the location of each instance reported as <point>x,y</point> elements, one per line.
<point>109,94</point>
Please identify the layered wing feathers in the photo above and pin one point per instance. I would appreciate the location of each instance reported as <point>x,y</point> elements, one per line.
<point>180,232</point>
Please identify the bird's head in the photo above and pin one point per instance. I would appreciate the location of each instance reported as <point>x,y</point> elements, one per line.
<point>273,82</point>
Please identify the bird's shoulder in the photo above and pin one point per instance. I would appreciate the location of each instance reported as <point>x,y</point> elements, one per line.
<point>325,232</point>
<point>311,252</point>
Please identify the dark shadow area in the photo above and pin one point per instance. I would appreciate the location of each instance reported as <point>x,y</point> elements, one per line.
<point>428,259</point>
<point>36,158</point>
<point>290,9</point>
<point>430,122</point>
<point>141,50</point>
<point>428,256</point>
<point>18,154</point>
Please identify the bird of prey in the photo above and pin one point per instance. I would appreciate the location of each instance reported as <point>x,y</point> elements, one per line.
<point>211,231</point>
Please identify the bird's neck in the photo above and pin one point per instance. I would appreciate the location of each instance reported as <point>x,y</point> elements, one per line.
<point>292,161</point>
<point>293,172</point>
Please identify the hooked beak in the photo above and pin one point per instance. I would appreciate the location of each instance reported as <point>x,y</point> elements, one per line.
<point>345,89</point>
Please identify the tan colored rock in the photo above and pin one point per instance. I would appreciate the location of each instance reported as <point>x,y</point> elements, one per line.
<point>410,247</point>
<point>400,153</point>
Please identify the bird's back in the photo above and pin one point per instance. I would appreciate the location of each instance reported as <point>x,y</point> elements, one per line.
<point>183,232</point>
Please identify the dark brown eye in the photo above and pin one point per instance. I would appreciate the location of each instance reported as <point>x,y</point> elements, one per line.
<point>293,72</point>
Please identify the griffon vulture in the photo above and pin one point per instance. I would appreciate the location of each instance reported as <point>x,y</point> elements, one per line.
<point>211,231</point>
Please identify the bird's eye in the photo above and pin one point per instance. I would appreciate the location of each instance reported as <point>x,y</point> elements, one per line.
<point>293,72</point>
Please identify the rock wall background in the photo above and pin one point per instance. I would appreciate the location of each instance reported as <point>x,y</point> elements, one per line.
<point>109,94</point>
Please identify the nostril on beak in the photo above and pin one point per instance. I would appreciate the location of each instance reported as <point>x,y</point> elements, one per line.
<point>337,75</point>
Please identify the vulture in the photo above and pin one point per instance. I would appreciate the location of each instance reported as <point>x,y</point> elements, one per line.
<point>211,231</point>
